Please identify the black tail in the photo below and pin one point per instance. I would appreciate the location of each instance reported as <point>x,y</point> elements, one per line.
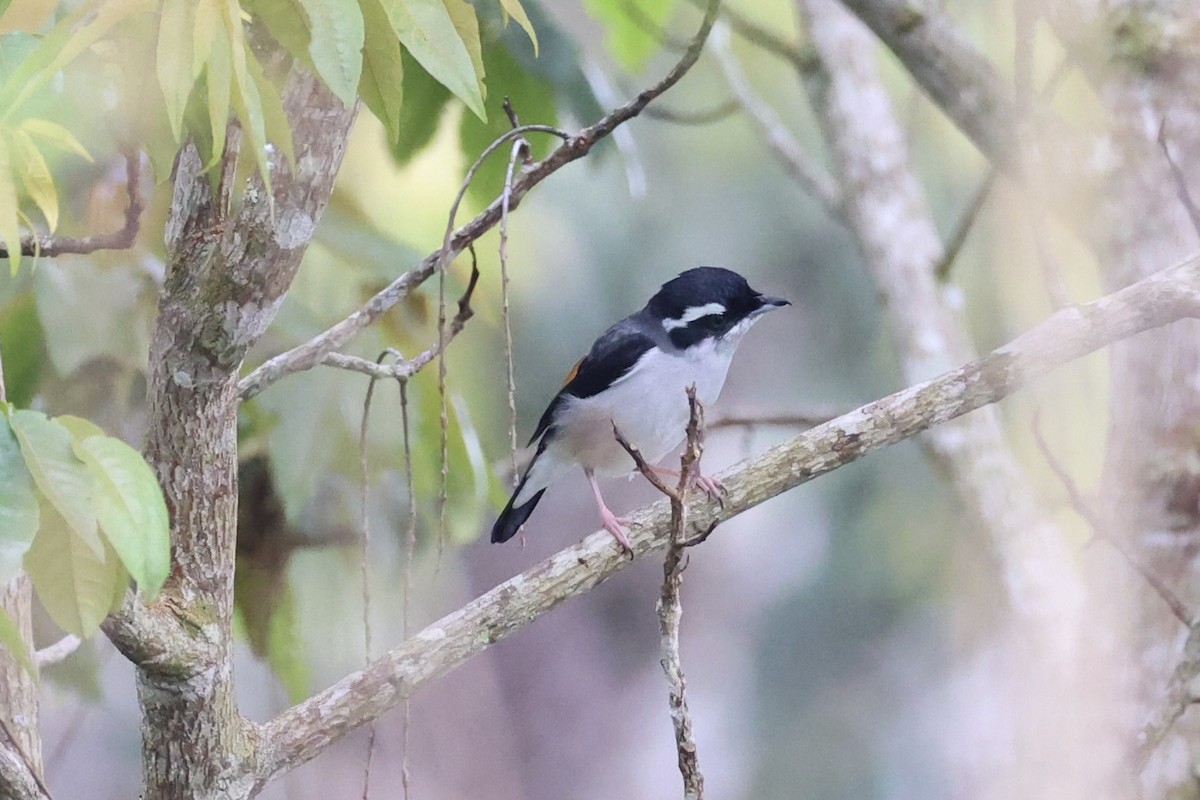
<point>511,519</point>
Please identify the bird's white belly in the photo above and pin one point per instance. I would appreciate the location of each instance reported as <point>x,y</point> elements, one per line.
<point>648,405</point>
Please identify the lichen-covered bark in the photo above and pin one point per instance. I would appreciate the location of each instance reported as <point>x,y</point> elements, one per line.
<point>1151,481</point>
<point>228,273</point>
<point>19,700</point>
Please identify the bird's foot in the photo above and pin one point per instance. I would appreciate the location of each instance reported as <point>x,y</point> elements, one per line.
<point>616,526</point>
<point>712,487</point>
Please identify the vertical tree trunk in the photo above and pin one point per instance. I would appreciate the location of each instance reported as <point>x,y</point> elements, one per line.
<point>18,689</point>
<point>228,274</point>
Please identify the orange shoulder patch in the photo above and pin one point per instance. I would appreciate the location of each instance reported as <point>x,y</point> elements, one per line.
<point>574,371</point>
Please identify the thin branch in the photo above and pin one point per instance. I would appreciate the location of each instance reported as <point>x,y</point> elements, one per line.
<point>1101,531</point>
<point>410,549</point>
<point>966,224</point>
<point>803,418</point>
<point>404,368</point>
<point>305,730</point>
<point>519,146</point>
<point>670,607</point>
<point>1181,187</point>
<point>313,352</point>
<point>1177,696</point>
<point>49,246</point>
<point>774,134</point>
<point>58,652</point>
<point>364,573</point>
<point>703,116</point>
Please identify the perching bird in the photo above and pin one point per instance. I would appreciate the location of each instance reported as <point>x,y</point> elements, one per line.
<point>634,377</point>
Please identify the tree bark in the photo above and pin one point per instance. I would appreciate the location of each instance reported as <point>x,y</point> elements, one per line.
<point>228,273</point>
<point>19,701</point>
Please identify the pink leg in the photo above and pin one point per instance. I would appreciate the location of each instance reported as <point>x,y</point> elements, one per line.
<point>711,486</point>
<point>612,523</point>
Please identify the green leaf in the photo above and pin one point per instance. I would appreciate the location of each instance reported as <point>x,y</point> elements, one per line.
<point>10,223</point>
<point>18,503</point>
<point>130,507</point>
<point>56,135</point>
<point>336,31</point>
<point>630,40</point>
<point>466,24</point>
<point>428,33</point>
<point>15,47</point>
<point>10,634</point>
<point>219,79</point>
<point>246,99</point>
<point>424,99</point>
<point>514,9</point>
<point>80,429</point>
<point>24,346</point>
<point>63,44</point>
<point>206,25</point>
<point>31,166</point>
<point>60,476</point>
<point>382,83</point>
<point>533,99</point>
<point>177,72</point>
<point>287,22</point>
<point>74,583</point>
<point>278,128</point>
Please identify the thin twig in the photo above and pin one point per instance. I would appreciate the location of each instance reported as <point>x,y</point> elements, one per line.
<point>1100,530</point>
<point>519,146</point>
<point>410,549</point>
<point>804,418</point>
<point>774,134</point>
<point>57,652</point>
<point>3,390</point>
<point>364,559</point>
<point>703,116</point>
<point>669,606</point>
<point>49,246</point>
<point>1181,187</point>
<point>309,354</point>
<point>20,751</point>
<point>965,224</point>
<point>404,368</point>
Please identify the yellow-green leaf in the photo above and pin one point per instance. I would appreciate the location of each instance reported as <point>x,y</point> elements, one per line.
<point>74,584</point>
<point>18,503</point>
<point>220,86</point>
<point>176,69</point>
<point>70,37</point>
<point>54,134</point>
<point>466,24</point>
<point>207,21</point>
<point>34,172</point>
<point>10,224</point>
<point>382,81</point>
<point>131,509</point>
<point>10,637</point>
<point>514,9</point>
<point>278,128</point>
<point>335,44</point>
<point>60,476</point>
<point>428,33</point>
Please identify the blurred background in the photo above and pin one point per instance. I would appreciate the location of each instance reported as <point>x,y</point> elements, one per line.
<point>831,637</point>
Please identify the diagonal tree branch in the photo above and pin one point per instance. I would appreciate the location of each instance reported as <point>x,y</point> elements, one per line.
<point>305,730</point>
<point>50,246</point>
<point>313,352</point>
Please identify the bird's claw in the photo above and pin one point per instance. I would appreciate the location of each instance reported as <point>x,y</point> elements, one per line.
<point>616,526</point>
<point>712,487</point>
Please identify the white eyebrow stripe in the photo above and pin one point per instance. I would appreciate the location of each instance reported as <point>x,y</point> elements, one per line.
<point>692,314</point>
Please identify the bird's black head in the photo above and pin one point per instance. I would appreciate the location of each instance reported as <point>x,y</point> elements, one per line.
<point>707,302</point>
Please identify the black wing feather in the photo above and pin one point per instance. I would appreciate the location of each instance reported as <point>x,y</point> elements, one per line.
<point>612,355</point>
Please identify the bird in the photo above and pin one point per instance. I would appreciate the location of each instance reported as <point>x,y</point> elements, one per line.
<point>634,378</point>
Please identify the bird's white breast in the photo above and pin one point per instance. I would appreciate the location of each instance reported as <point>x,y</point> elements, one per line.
<point>648,404</point>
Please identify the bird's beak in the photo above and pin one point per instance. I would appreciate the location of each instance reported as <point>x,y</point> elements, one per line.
<point>771,303</point>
